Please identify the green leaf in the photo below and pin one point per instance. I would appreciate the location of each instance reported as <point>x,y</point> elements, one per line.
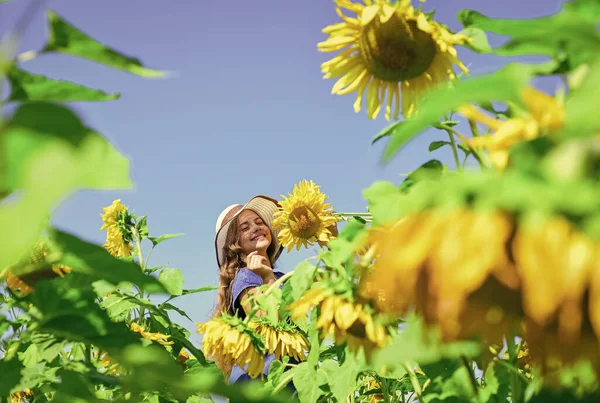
<point>479,39</point>
<point>302,279</point>
<point>200,289</point>
<point>11,375</point>
<point>387,131</point>
<point>384,202</point>
<point>118,307</point>
<point>47,154</point>
<point>94,261</point>
<point>581,117</point>
<point>71,313</point>
<point>456,388</point>
<point>142,227</point>
<point>167,306</point>
<point>434,145</point>
<point>65,38</point>
<point>304,381</point>
<point>156,241</point>
<point>505,84</point>
<point>26,87</point>
<point>422,345</point>
<point>342,378</point>
<point>567,31</point>
<point>172,279</point>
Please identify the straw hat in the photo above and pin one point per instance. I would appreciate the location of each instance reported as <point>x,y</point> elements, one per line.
<point>264,206</point>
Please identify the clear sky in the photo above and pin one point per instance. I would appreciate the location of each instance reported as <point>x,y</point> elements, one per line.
<point>245,112</point>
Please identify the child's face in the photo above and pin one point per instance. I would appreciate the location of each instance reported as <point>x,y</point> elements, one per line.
<point>253,233</point>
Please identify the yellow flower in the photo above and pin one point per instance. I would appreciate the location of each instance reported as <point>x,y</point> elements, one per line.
<point>373,384</point>
<point>37,257</point>
<point>157,337</point>
<point>304,217</point>
<point>116,243</point>
<point>110,366</point>
<point>436,258</point>
<point>386,50</point>
<point>230,343</point>
<point>545,115</point>
<point>281,341</point>
<point>21,397</point>
<point>350,322</point>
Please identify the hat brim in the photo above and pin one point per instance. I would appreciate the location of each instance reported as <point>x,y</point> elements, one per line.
<point>266,208</point>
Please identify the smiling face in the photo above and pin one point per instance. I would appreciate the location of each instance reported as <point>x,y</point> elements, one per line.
<point>253,233</point>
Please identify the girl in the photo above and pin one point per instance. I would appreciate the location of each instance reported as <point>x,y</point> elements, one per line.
<point>246,249</point>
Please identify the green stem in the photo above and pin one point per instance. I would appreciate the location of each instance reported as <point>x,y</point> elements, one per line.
<point>287,377</point>
<point>454,149</point>
<point>413,380</point>
<point>138,246</point>
<point>515,381</point>
<point>385,390</point>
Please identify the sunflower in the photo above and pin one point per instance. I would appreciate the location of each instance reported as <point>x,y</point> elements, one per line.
<point>22,396</point>
<point>350,322</point>
<point>157,337</point>
<point>388,48</point>
<point>372,390</point>
<point>281,339</point>
<point>304,217</point>
<point>437,259</point>
<point>231,342</point>
<point>544,115</point>
<point>108,365</point>
<point>37,257</point>
<point>118,235</point>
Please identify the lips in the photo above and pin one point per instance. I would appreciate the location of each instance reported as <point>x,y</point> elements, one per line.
<point>257,237</point>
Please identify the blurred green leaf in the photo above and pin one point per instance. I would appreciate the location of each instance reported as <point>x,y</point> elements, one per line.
<point>47,153</point>
<point>26,86</point>
<point>566,31</point>
<point>65,38</point>
<point>172,279</point>
<point>457,388</point>
<point>71,313</point>
<point>505,85</point>
<point>384,202</point>
<point>94,261</point>
<point>416,343</point>
<point>11,375</point>
<point>479,39</point>
<point>200,289</point>
<point>581,112</point>
<point>156,241</point>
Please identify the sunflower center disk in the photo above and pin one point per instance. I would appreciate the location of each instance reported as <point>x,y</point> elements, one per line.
<point>396,50</point>
<point>304,223</point>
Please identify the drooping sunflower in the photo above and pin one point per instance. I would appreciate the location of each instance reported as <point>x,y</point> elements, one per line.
<point>544,115</point>
<point>304,217</point>
<point>160,338</point>
<point>230,342</point>
<point>107,365</point>
<point>388,50</point>
<point>25,283</point>
<point>118,236</point>
<point>281,339</point>
<point>349,321</point>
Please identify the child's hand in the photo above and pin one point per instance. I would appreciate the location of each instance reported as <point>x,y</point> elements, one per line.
<point>260,265</point>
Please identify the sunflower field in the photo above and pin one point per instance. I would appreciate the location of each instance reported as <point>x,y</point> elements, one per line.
<point>477,282</point>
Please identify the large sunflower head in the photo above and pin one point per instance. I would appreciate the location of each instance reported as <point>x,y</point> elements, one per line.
<point>544,115</point>
<point>281,339</point>
<point>231,342</point>
<point>117,222</point>
<point>304,217</point>
<point>388,49</point>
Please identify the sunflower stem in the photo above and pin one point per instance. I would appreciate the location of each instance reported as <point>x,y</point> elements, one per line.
<point>454,149</point>
<point>472,378</point>
<point>413,380</point>
<point>138,246</point>
<point>515,381</point>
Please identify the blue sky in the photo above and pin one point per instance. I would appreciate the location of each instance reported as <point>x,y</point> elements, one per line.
<point>245,111</point>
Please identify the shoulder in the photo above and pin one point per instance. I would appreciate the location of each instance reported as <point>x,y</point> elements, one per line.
<point>246,277</point>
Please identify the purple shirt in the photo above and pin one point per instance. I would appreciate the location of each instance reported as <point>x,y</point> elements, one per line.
<point>244,279</point>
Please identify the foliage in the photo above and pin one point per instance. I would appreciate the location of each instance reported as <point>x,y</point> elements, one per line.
<point>86,323</point>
